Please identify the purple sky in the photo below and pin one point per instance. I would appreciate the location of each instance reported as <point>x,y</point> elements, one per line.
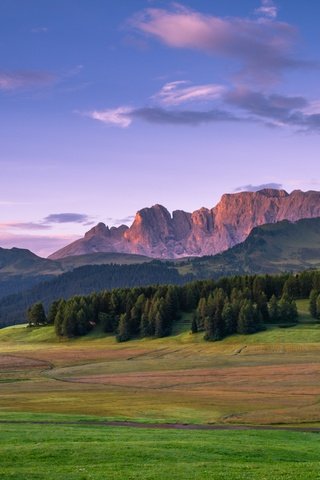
<point>108,107</point>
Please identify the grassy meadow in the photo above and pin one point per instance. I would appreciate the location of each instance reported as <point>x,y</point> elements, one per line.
<point>269,378</point>
<point>82,452</point>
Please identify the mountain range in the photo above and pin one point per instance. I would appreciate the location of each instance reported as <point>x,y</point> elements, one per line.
<point>157,234</point>
<point>271,248</point>
<point>268,231</point>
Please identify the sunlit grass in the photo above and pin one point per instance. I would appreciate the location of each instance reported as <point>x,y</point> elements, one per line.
<point>57,452</point>
<point>270,377</point>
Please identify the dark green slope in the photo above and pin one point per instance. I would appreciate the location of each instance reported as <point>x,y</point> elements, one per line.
<point>271,248</point>
<point>21,261</point>
<point>85,280</point>
<point>21,269</point>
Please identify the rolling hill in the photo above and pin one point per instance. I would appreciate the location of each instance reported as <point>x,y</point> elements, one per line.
<point>272,248</point>
<point>21,269</point>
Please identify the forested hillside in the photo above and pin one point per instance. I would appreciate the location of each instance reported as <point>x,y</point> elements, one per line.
<point>87,279</point>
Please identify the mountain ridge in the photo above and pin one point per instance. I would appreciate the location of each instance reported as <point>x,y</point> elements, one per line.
<point>157,234</point>
<point>271,248</point>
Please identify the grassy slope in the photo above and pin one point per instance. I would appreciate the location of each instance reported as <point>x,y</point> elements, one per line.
<point>102,259</point>
<point>94,453</point>
<point>271,248</point>
<point>268,377</point>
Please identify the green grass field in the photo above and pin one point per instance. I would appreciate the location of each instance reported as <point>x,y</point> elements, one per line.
<point>270,378</point>
<point>57,452</point>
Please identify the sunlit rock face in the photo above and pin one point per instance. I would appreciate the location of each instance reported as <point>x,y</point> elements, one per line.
<point>158,234</point>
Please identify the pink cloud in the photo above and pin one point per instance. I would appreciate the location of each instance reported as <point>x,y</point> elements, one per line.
<point>119,117</point>
<point>24,79</point>
<point>263,47</point>
<point>267,9</point>
<point>176,93</point>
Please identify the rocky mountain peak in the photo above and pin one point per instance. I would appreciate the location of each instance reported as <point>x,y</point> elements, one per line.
<point>155,233</point>
<point>99,229</point>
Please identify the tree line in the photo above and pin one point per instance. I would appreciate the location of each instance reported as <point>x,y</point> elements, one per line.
<point>242,304</point>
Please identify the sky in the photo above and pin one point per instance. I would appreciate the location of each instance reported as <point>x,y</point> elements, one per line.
<point>107,107</point>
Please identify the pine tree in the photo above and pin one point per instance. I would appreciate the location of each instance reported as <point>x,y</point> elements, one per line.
<point>228,318</point>
<point>106,321</point>
<point>144,326</point>
<point>69,324</point>
<point>247,322</point>
<point>201,313</point>
<point>262,307</point>
<point>287,310</point>
<point>291,288</point>
<point>194,324</point>
<point>53,310</point>
<point>58,320</point>
<point>318,307</point>
<point>36,315</point>
<point>274,313</point>
<point>123,328</point>
<point>313,303</point>
<point>83,326</point>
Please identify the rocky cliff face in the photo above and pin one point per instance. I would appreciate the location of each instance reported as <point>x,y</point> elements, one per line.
<point>155,233</point>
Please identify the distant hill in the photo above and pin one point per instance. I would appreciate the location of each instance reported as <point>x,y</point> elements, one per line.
<point>158,234</point>
<point>85,280</point>
<point>21,269</point>
<point>68,263</point>
<point>273,248</point>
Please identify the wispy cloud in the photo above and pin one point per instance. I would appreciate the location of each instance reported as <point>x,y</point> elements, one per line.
<point>264,48</point>
<point>176,93</point>
<point>276,110</point>
<point>267,9</point>
<point>10,81</point>
<point>162,116</point>
<point>238,104</point>
<point>182,117</point>
<point>48,222</point>
<point>10,203</point>
<point>22,80</point>
<point>256,188</point>
<point>67,218</point>
<point>279,109</point>
<point>24,226</point>
<point>120,117</point>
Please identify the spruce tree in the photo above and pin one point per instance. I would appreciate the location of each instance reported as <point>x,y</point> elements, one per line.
<point>53,310</point>
<point>123,328</point>
<point>194,324</point>
<point>274,313</point>
<point>36,315</point>
<point>313,303</point>
<point>228,318</point>
<point>247,318</point>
